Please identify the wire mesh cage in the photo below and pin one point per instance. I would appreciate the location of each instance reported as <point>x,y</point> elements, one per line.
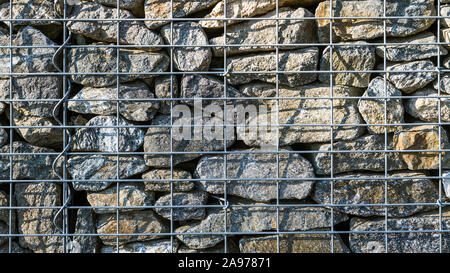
<point>224,126</point>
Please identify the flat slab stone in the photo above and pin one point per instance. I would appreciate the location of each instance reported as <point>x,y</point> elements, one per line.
<point>155,246</point>
<point>409,82</point>
<point>193,199</point>
<point>164,186</point>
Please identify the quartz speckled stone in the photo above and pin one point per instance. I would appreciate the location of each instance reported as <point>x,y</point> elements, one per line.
<point>410,81</point>
<point>426,107</point>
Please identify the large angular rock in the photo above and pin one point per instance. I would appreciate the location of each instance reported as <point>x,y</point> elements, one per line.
<point>166,87</point>
<point>305,59</point>
<point>156,246</point>
<point>92,172</point>
<point>246,168</point>
<point>129,223</point>
<point>205,86</point>
<point>103,60</point>
<point>411,48</point>
<point>426,105</point>
<point>38,221</point>
<point>130,195</point>
<point>353,155</point>
<point>410,81</point>
<point>378,111</point>
<point>369,188</point>
<point>194,199</point>
<point>293,243</point>
<point>31,9</point>
<point>302,108</point>
<point>366,29</point>
<point>101,137</point>
<point>264,32</point>
<point>255,219</point>
<point>359,56</point>
<point>162,9</point>
<point>402,241</point>
<point>159,180</point>
<point>89,101</point>
<point>190,57</point>
<point>130,32</point>
<point>158,140</point>
<point>85,224</point>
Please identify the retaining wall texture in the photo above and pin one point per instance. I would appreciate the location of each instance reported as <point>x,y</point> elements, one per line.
<point>412,108</point>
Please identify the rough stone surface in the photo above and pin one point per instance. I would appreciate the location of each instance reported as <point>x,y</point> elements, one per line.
<point>26,9</point>
<point>409,82</point>
<point>369,188</point>
<point>374,110</point>
<point>248,165</point>
<point>166,87</point>
<point>15,248</point>
<point>103,60</point>
<point>144,221</point>
<point>427,108</point>
<point>156,246</point>
<point>204,86</point>
<point>4,214</point>
<point>444,83</point>
<point>193,58</point>
<point>85,224</point>
<point>90,101</point>
<point>102,168</point>
<point>133,5</point>
<point>182,199</point>
<point>263,32</point>
<point>3,137</point>
<point>164,185</point>
<point>299,110</point>
<point>357,56</point>
<point>365,29</point>
<point>103,139</point>
<point>130,195</point>
<point>131,32</point>
<point>305,59</point>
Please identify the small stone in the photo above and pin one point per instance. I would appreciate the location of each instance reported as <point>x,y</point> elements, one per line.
<point>157,246</point>
<point>445,37</point>
<point>368,188</point>
<point>131,32</point>
<point>263,32</point>
<point>366,29</point>
<point>166,87</point>
<point>103,139</point>
<point>255,219</point>
<point>305,59</point>
<point>162,9</point>
<point>144,221</point>
<point>445,11</point>
<point>412,48</point>
<point>373,111</point>
<point>445,83</point>
<point>293,243</point>
<point>248,165</point>
<point>102,168</point>
<point>38,221</point>
<point>2,107</point>
<point>3,137</point>
<point>446,183</point>
<point>193,58</point>
<point>103,60</point>
<point>358,56</point>
<point>411,81</point>
<point>85,224</point>
<point>204,86</point>
<point>90,101</point>
<point>426,107</point>
<point>197,199</point>
<point>164,186</point>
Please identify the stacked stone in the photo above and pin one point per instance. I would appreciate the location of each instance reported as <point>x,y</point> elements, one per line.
<point>167,185</point>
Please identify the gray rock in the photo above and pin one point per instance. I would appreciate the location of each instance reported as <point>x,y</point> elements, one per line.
<point>130,32</point>
<point>300,110</point>
<point>368,188</point>
<point>445,11</point>
<point>156,246</point>
<point>182,199</point>
<point>409,82</point>
<point>366,29</point>
<point>103,139</point>
<point>38,221</point>
<point>15,248</point>
<point>406,52</point>
<point>444,83</point>
<point>351,157</point>
<point>102,168</point>
<point>90,101</point>
<point>305,59</point>
<point>4,213</point>
<point>204,86</point>
<point>219,248</point>
<point>137,222</point>
<point>193,58</point>
<point>356,56</point>
<point>426,108</point>
<point>255,219</point>
<point>263,32</point>
<point>2,107</point>
<point>164,186</point>
<point>247,165</point>
<point>136,6</point>
<point>27,9</point>
<point>158,140</point>
<point>164,87</point>
<point>374,110</point>
<point>85,224</point>
<point>3,137</point>
<point>103,60</point>
<point>401,242</point>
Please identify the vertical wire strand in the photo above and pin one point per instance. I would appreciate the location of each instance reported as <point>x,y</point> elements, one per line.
<point>439,120</point>
<point>277,86</point>
<point>386,201</point>
<point>117,128</point>
<point>11,107</point>
<point>331,128</point>
<point>171,128</point>
<point>225,92</point>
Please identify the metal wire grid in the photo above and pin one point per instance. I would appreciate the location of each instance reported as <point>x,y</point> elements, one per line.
<point>225,204</point>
